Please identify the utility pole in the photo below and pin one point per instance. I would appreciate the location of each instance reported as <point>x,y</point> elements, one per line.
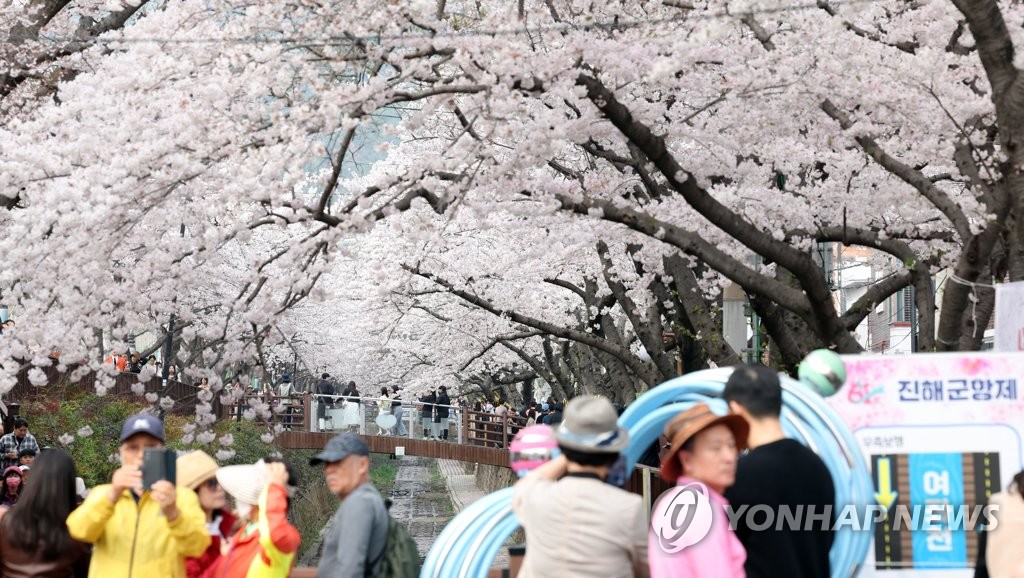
<point>913,318</point>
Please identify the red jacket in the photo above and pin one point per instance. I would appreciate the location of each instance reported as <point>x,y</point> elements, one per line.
<point>194,567</point>
<point>266,552</point>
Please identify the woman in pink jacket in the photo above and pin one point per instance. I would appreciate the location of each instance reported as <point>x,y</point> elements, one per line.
<point>690,534</point>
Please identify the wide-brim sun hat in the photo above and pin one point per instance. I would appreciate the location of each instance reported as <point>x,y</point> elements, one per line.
<point>244,482</point>
<point>590,425</point>
<point>194,468</point>
<point>690,423</point>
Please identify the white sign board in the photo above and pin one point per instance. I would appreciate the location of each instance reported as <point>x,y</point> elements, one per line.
<point>935,429</point>
<point>1009,315</point>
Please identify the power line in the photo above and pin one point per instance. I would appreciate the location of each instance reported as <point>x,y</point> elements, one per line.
<point>610,25</point>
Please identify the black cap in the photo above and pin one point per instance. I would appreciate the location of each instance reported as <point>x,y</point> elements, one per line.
<point>340,447</point>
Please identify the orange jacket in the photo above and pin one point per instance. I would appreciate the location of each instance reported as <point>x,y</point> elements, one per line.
<point>267,551</point>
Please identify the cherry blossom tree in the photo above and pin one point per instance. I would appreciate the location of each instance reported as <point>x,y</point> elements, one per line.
<point>215,161</point>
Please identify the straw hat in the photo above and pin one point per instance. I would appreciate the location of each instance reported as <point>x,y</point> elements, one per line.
<point>195,468</point>
<point>690,423</point>
<point>245,483</point>
<point>590,425</point>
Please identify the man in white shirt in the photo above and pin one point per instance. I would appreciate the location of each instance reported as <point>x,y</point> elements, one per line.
<point>578,525</point>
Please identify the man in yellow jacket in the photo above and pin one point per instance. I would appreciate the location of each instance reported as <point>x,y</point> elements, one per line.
<point>139,533</point>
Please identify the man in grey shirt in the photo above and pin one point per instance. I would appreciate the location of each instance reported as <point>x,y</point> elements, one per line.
<point>355,542</point>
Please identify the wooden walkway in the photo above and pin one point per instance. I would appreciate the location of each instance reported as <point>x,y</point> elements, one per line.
<point>411,447</point>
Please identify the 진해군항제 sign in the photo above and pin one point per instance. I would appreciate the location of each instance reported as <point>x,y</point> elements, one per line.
<point>942,433</point>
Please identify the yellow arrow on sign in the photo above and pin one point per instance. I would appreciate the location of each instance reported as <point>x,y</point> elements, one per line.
<point>885,496</point>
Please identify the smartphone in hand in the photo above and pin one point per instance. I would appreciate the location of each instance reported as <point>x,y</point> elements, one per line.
<point>158,464</point>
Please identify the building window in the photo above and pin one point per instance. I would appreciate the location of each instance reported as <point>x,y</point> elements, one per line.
<point>904,306</point>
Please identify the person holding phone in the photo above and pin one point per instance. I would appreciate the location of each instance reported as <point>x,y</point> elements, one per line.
<point>139,531</point>
<point>266,544</point>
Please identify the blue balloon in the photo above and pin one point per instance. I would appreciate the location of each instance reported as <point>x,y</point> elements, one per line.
<point>469,544</point>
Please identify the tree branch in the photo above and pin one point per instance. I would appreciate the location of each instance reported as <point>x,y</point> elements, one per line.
<point>936,196</point>
<point>567,285</point>
<point>992,38</point>
<point>644,326</point>
<point>635,364</point>
<point>910,47</point>
<point>759,32</point>
<point>708,328</point>
<point>877,293</point>
<point>339,161</point>
<point>691,244</point>
<point>496,341</point>
<point>811,279</point>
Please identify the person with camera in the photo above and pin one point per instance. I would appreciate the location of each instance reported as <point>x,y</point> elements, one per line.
<point>135,530</point>
<point>266,544</point>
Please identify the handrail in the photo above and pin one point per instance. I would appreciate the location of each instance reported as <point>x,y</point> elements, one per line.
<point>470,426</point>
<point>495,432</point>
<point>405,403</point>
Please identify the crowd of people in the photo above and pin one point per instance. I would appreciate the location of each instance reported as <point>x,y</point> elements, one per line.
<point>184,527</point>
<point>233,521</point>
<point>133,362</point>
<point>577,524</point>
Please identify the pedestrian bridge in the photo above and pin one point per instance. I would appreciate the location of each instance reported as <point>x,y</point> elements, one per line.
<point>476,437</point>
<point>395,445</point>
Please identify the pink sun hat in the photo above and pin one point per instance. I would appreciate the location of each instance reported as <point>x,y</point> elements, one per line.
<point>531,448</point>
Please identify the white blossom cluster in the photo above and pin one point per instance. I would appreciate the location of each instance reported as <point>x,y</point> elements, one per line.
<point>397,191</point>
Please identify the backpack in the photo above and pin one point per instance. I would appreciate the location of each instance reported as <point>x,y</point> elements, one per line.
<point>400,559</point>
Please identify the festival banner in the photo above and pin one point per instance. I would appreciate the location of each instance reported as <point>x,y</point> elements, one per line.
<point>942,433</point>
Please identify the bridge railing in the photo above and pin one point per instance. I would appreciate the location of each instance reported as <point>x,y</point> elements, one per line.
<point>350,413</point>
<point>291,411</point>
<point>314,413</point>
<point>491,429</point>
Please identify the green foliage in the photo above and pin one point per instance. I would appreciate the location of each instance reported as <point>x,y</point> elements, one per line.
<point>383,472</point>
<point>49,419</point>
<point>312,505</point>
<point>248,446</point>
